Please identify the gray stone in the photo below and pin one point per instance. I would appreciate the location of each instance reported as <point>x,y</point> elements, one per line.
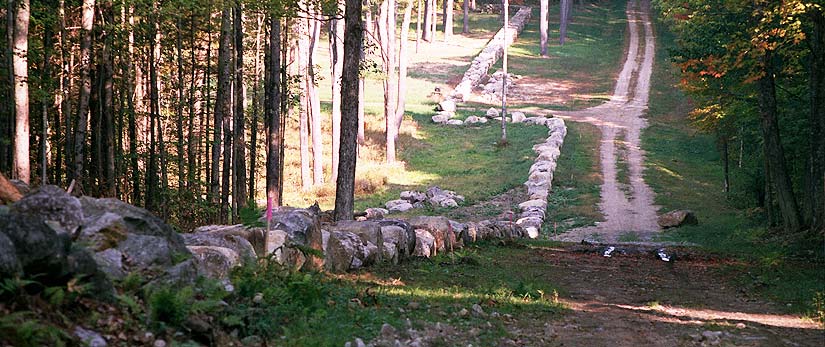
<point>424,244</point>
<point>51,203</point>
<point>440,119</point>
<point>180,275</point>
<point>9,265</point>
<point>217,239</point>
<point>517,117</point>
<point>397,236</point>
<point>407,230</point>
<point>492,113</point>
<point>374,213</point>
<point>89,338</point>
<point>447,105</point>
<point>368,232</point>
<point>342,249</point>
<point>38,248</point>
<point>454,122</point>
<point>110,262</point>
<point>390,253</point>
<point>413,196</point>
<point>677,218</point>
<point>399,205</point>
<point>215,262</point>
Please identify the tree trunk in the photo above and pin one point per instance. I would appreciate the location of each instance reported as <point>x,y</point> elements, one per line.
<point>427,35</point>
<point>448,20</point>
<point>7,147</point>
<point>179,108</point>
<point>109,188</point>
<point>154,110</point>
<point>223,108</point>
<point>191,145</point>
<point>239,193</point>
<point>130,100</point>
<point>386,24</point>
<point>345,185</point>
<point>403,61</point>
<point>85,90</point>
<point>418,25</point>
<point>303,58</point>
<point>465,28</point>
<point>817,122</point>
<point>272,110</point>
<point>543,25</point>
<point>564,20</point>
<point>315,106</point>
<point>46,91</point>
<point>253,133</point>
<point>506,12</point>
<point>336,37</point>
<point>774,153</point>
<point>433,19</point>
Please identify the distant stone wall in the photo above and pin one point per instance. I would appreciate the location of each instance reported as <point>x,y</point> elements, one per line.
<point>533,211</point>
<point>491,53</point>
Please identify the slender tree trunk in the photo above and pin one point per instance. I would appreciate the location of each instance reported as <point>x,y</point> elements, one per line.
<point>46,91</point>
<point>272,110</point>
<point>179,108</point>
<point>253,133</point>
<point>774,153</point>
<point>345,185</point>
<point>403,61</point>
<point>109,135</point>
<point>152,183</point>
<point>336,37</point>
<point>506,12</point>
<point>194,107</point>
<point>726,161</point>
<point>85,89</point>
<point>303,59</point>
<point>433,19</point>
<point>418,13</point>
<point>130,99</point>
<point>448,20</point>
<point>65,90</point>
<point>7,146</point>
<point>223,108</point>
<point>386,24</point>
<point>368,32</point>
<point>564,8</point>
<point>239,192</point>
<point>465,29</point>
<point>22,167</point>
<point>210,166</point>
<point>315,107</point>
<point>428,19</point>
<point>817,121</point>
<point>543,25</point>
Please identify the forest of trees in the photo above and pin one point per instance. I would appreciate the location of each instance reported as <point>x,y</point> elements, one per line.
<point>756,72</point>
<point>182,106</point>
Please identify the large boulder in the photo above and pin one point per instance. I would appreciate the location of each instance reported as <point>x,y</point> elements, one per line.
<point>342,252</point>
<point>238,244</point>
<point>399,205</point>
<point>677,218</point>
<point>215,262</point>
<point>38,247</point>
<point>424,244</point>
<point>448,105</point>
<point>397,237</point>
<point>303,229</point>
<point>9,265</point>
<point>51,203</point>
<point>408,235</point>
<point>368,232</point>
<point>440,228</point>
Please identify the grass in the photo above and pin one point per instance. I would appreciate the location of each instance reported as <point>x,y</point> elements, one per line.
<point>685,171</point>
<point>575,197</point>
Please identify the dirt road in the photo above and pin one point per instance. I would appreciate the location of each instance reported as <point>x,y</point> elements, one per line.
<point>626,202</point>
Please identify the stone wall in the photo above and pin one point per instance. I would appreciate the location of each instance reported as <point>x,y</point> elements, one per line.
<point>491,53</point>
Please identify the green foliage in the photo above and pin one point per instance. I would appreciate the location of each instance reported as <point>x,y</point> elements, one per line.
<point>250,215</point>
<point>23,329</point>
<point>170,306</point>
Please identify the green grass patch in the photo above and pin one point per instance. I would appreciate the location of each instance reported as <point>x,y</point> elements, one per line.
<point>685,170</point>
<point>574,200</point>
<point>465,159</point>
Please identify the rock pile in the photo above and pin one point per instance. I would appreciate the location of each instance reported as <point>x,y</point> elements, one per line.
<point>434,196</point>
<point>491,90</point>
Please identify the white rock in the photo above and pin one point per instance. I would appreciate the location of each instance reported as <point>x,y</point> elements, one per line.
<point>447,105</point>
<point>493,112</point>
<point>454,122</point>
<point>399,205</point>
<point>518,117</point>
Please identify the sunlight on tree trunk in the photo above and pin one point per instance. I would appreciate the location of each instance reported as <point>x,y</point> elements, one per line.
<point>22,167</point>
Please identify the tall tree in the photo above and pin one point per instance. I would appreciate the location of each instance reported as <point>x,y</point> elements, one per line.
<point>448,20</point>
<point>429,32</point>
<point>465,27</point>
<point>315,105</point>
<point>336,50</point>
<point>22,168</point>
<point>564,19</point>
<point>816,172</point>
<point>403,62</point>
<point>88,15</point>
<point>543,25</point>
<point>345,185</point>
<point>303,127</point>
<point>272,110</point>
<point>223,107</point>
<point>506,12</point>
<point>386,28</point>
<point>239,193</point>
